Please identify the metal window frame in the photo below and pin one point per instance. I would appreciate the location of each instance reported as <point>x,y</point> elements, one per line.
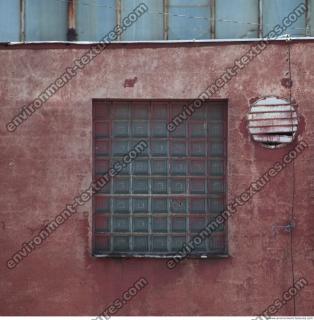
<point>209,255</point>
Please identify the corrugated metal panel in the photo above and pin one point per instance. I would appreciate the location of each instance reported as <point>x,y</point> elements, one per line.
<point>95,19</point>
<point>273,122</point>
<point>189,20</point>
<point>235,22</point>
<point>274,11</point>
<point>45,20</point>
<point>149,26</point>
<point>9,20</point>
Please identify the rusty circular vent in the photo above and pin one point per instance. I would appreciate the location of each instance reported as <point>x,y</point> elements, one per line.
<point>273,122</point>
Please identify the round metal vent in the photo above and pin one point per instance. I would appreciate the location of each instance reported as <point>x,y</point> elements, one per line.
<point>273,122</point>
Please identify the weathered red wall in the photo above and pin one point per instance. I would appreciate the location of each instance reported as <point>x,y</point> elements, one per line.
<point>48,161</point>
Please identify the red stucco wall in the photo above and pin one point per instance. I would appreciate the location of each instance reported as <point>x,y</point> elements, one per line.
<point>48,160</point>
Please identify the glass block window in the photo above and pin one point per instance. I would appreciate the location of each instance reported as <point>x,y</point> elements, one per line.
<point>171,191</point>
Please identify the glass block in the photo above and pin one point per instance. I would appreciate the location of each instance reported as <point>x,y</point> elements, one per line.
<point>177,243</point>
<point>178,224</point>
<point>216,186</point>
<point>102,129</point>
<point>120,148</point>
<point>106,188</point>
<point>198,186</point>
<point>121,243</point>
<point>120,111</point>
<point>159,186</point>
<point>139,128</point>
<point>102,223</point>
<point>220,226</point>
<point>216,167</point>
<point>102,243</point>
<point>180,131</point>
<point>125,168</point>
<point>140,111</point>
<point>178,205</point>
<point>179,173</point>
<point>120,129</point>
<point>121,185</point>
<point>140,151</point>
<point>217,242</point>
<point>178,167</point>
<point>216,130</point>
<point>197,129</point>
<point>140,224</point>
<point>140,205</point>
<point>140,243</point>
<point>121,224</point>
<point>102,204</point>
<point>140,185</point>
<point>159,129</point>
<point>160,225</point>
<point>159,243</point>
<point>215,113</point>
<point>159,167</point>
<point>198,148</point>
<point>202,246</point>
<point>101,166</point>
<point>159,205</point>
<point>159,148</point>
<point>197,224</point>
<point>199,114</point>
<point>121,205</point>
<point>178,148</point>
<point>216,205</point>
<point>102,147</point>
<point>198,205</point>
<point>140,167</point>
<point>197,167</point>
<point>176,108</point>
<point>159,110</point>
<point>216,149</point>
<point>178,185</point>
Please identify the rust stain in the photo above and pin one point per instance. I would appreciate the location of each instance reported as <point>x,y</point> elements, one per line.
<point>129,83</point>
<point>43,225</point>
<point>72,34</point>
<point>253,100</point>
<point>286,82</point>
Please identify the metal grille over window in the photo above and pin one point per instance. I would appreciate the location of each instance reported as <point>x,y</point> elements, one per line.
<point>171,191</point>
<point>273,122</point>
